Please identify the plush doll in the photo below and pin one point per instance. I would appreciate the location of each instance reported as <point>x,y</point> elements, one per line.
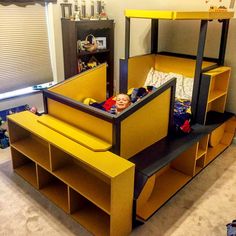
<point>4,139</point>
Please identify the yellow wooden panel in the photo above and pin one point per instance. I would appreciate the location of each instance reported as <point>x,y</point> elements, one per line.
<point>93,219</point>
<point>105,163</point>
<point>122,191</point>
<point>227,138</point>
<point>185,162</point>
<point>166,185</point>
<point>229,131</point>
<point>213,152</point>
<point>145,126</point>
<point>216,135</point>
<point>148,14</point>
<point>218,104</point>
<point>74,133</point>
<point>218,88</point>
<point>89,123</point>
<point>91,83</point>
<point>219,71</point>
<point>178,65</point>
<point>231,125</point>
<point>178,15</point>
<point>139,67</point>
<point>202,15</point>
<point>146,191</point>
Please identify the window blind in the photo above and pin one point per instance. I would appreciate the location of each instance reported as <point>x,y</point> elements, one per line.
<point>24,47</point>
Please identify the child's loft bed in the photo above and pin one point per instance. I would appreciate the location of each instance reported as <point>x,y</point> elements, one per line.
<point>192,66</point>
<point>109,171</point>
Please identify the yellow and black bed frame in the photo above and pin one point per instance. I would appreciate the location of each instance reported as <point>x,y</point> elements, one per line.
<point>207,119</point>
<point>112,172</point>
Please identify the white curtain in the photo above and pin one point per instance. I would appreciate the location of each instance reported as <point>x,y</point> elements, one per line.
<point>24,47</point>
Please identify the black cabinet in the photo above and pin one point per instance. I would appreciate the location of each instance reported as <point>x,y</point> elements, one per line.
<point>73,31</point>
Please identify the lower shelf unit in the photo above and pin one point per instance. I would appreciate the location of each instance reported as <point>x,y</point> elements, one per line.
<point>76,179</point>
<point>162,178</point>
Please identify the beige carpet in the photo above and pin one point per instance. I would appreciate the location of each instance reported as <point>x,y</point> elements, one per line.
<point>203,207</point>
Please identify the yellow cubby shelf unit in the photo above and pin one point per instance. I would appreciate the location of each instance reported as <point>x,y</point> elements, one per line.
<point>213,92</point>
<point>95,188</point>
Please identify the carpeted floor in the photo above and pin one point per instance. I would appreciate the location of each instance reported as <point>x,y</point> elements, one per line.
<point>203,207</point>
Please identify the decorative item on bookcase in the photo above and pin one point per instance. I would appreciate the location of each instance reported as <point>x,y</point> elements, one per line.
<point>103,14</point>
<point>99,7</point>
<point>84,15</point>
<point>221,6</point>
<point>66,9</point>
<point>76,11</point>
<point>93,62</point>
<point>83,66</point>
<point>93,16</point>
<point>89,44</point>
<point>101,42</point>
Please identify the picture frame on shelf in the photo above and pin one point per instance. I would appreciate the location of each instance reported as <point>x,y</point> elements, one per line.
<point>101,42</point>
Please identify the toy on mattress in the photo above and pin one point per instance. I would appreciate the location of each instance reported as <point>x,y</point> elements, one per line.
<point>183,95</point>
<point>117,104</point>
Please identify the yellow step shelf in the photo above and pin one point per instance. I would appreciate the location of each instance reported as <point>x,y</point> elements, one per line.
<point>74,133</point>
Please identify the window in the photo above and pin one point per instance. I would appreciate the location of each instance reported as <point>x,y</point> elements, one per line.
<point>24,58</point>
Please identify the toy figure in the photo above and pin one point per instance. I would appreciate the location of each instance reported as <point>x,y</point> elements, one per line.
<point>4,138</point>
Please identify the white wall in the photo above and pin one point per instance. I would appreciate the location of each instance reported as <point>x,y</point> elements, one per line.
<point>171,36</point>
<point>35,99</point>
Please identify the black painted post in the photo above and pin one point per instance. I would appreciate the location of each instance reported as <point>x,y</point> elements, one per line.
<point>127,37</point>
<point>198,68</point>
<point>223,41</point>
<point>154,36</point>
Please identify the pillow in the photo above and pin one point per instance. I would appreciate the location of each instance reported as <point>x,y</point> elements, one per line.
<point>188,88</point>
<point>156,78</point>
<point>184,85</point>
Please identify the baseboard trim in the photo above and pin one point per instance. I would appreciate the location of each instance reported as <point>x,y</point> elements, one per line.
<point>234,140</point>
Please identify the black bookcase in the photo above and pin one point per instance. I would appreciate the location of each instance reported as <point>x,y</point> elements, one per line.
<point>72,31</point>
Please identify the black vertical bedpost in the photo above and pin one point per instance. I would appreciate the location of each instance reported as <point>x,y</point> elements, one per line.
<point>116,136</point>
<point>127,37</point>
<point>223,41</point>
<point>198,68</point>
<point>45,102</point>
<point>123,79</point>
<point>154,36</point>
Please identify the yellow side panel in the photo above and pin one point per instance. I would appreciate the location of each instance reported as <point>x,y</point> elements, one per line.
<point>91,83</point>
<point>178,65</point>
<point>122,192</point>
<point>138,70</point>
<point>146,126</point>
<point>89,123</point>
